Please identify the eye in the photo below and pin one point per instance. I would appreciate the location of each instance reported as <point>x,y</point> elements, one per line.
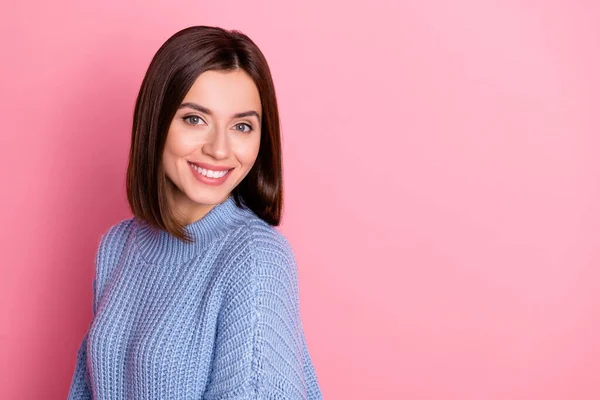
<point>247,125</point>
<point>192,120</point>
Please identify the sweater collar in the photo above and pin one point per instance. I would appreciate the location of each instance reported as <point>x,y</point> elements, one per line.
<point>157,246</point>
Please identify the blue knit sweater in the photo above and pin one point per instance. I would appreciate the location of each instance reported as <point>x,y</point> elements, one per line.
<point>215,319</point>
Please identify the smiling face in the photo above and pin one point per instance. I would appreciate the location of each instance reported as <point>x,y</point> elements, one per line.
<point>213,141</point>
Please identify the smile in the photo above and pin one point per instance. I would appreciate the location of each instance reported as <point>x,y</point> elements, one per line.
<point>210,173</point>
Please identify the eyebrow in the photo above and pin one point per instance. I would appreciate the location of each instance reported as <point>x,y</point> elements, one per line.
<point>205,110</point>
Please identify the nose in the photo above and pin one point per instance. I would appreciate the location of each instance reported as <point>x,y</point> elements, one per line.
<point>217,144</point>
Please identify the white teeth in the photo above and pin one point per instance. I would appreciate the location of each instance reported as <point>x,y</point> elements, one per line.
<point>210,173</point>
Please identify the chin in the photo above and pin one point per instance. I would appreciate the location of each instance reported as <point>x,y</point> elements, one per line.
<point>209,198</point>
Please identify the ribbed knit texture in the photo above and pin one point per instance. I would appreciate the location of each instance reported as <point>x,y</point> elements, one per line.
<point>215,319</point>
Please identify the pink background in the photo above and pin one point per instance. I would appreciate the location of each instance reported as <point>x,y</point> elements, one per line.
<point>442,185</point>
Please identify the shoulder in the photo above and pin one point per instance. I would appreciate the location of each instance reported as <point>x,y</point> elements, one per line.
<point>118,230</point>
<point>265,240</point>
<point>110,247</point>
<point>268,241</point>
<point>114,237</point>
<point>274,262</point>
<point>271,258</point>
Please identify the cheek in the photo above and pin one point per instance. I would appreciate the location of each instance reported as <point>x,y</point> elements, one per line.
<point>176,146</point>
<point>179,144</point>
<point>247,151</point>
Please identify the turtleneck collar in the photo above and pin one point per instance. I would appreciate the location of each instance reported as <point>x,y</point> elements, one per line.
<point>157,246</point>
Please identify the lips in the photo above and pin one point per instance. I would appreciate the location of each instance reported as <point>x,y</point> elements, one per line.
<point>210,166</point>
<point>210,178</point>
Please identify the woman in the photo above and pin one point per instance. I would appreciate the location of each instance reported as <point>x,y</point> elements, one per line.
<point>197,296</point>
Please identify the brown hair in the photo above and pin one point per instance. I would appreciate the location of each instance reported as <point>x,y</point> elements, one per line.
<point>172,71</point>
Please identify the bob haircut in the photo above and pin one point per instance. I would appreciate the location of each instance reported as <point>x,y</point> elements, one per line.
<point>172,71</point>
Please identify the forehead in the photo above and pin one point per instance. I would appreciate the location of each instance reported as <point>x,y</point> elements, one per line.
<point>225,92</point>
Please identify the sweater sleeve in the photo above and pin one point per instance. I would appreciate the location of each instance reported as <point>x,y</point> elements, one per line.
<point>80,383</point>
<point>109,248</point>
<point>258,352</point>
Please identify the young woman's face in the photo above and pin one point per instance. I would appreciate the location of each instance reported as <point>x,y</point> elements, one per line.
<point>213,141</point>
